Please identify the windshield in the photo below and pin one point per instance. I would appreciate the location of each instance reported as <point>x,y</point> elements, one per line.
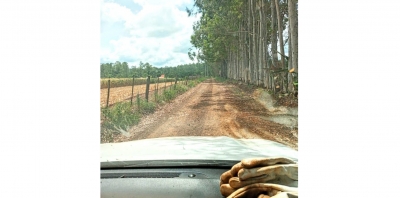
<point>197,80</point>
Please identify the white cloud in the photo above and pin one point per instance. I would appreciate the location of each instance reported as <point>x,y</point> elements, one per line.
<point>161,2</point>
<point>158,33</point>
<point>113,12</point>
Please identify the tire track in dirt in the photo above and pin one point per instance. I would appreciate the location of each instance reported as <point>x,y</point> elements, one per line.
<point>212,109</point>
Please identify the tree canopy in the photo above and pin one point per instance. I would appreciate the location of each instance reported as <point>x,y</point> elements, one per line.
<point>122,70</point>
<point>240,39</point>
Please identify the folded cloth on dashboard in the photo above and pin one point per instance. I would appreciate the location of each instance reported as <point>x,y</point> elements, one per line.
<point>261,177</point>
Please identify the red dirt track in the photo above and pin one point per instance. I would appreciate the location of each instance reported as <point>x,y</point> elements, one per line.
<point>212,109</point>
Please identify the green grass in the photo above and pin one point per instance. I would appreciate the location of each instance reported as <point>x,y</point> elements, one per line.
<point>123,115</point>
<point>170,94</point>
<point>221,80</point>
<point>147,107</point>
<point>120,117</point>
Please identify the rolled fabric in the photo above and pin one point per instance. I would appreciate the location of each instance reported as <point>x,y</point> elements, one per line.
<point>290,170</point>
<point>224,179</point>
<point>235,182</point>
<point>226,190</point>
<point>235,168</point>
<point>260,177</point>
<point>257,162</point>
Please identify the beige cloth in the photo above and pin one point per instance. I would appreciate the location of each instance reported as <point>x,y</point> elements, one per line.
<point>261,177</point>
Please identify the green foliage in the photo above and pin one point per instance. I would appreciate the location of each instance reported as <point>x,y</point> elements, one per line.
<point>220,79</point>
<point>121,70</point>
<point>201,79</point>
<point>147,107</point>
<point>181,89</point>
<point>225,27</point>
<point>168,95</point>
<point>120,117</point>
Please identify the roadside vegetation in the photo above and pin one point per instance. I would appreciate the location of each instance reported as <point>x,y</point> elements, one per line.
<point>120,117</point>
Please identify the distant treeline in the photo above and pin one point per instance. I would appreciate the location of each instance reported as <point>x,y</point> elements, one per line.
<point>122,70</point>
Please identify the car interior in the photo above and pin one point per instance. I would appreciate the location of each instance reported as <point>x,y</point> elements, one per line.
<point>161,182</point>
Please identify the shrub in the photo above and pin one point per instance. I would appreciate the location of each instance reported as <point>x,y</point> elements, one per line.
<point>147,107</point>
<point>120,116</point>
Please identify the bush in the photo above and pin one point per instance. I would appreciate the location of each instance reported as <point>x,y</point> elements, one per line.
<point>168,95</point>
<point>192,84</point>
<point>120,116</point>
<point>147,107</point>
<point>181,88</point>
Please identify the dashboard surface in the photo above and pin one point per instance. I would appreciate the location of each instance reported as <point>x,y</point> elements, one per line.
<point>161,182</point>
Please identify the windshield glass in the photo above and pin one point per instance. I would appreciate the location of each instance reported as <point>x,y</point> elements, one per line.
<point>189,79</point>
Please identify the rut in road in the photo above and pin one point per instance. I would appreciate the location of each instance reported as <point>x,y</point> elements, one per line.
<point>212,109</point>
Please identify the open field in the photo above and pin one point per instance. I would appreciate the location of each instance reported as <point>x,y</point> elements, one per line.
<point>123,82</point>
<point>119,94</point>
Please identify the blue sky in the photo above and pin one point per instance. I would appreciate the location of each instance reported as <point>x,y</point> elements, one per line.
<point>153,31</point>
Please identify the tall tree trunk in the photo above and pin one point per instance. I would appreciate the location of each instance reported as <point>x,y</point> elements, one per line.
<point>265,46</point>
<point>240,51</point>
<point>293,32</point>
<point>229,62</point>
<point>260,43</point>
<point>274,41</point>
<point>249,43</point>
<point>289,75</point>
<point>237,57</point>
<point>244,52</point>
<point>254,44</point>
<point>280,30</point>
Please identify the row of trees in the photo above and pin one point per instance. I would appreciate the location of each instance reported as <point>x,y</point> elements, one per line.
<point>240,39</point>
<point>122,70</point>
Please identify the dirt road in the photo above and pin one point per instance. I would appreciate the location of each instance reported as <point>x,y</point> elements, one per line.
<point>213,109</point>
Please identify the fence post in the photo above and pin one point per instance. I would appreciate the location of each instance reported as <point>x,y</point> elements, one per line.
<point>138,102</point>
<point>176,80</point>
<point>156,91</point>
<point>147,88</point>
<point>165,83</point>
<point>133,83</point>
<point>108,92</point>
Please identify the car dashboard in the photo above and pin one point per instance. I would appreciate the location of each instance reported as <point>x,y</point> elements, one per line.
<point>161,182</point>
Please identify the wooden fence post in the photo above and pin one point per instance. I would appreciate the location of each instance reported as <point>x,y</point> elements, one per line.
<point>108,92</point>
<point>176,80</point>
<point>165,83</point>
<point>138,102</point>
<point>133,84</point>
<point>156,91</point>
<point>147,88</point>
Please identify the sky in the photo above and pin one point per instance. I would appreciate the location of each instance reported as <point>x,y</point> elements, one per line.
<point>153,31</point>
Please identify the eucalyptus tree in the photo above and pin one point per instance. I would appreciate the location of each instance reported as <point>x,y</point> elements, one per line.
<point>238,39</point>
